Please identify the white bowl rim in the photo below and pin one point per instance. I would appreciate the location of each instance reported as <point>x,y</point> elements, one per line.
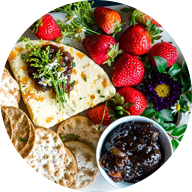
<point>109,129</point>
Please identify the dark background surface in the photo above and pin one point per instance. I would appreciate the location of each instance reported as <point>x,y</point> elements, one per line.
<point>10,8</point>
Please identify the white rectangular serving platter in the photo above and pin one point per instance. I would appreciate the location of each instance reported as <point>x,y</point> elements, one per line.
<point>178,31</point>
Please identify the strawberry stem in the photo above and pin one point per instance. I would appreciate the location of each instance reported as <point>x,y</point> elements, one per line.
<point>153,31</point>
<point>36,25</point>
<point>118,28</point>
<point>133,13</point>
<point>103,116</point>
<point>113,53</point>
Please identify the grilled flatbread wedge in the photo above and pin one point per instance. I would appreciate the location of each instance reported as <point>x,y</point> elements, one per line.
<point>87,76</point>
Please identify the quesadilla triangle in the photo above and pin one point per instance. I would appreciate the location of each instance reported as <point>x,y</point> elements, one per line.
<point>57,81</point>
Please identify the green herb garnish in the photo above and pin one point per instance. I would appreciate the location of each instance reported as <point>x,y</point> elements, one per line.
<point>99,91</point>
<point>24,56</point>
<point>73,83</point>
<point>85,79</point>
<point>80,19</point>
<point>80,98</point>
<point>22,140</point>
<point>103,96</point>
<point>74,64</point>
<point>40,59</point>
<point>69,136</point>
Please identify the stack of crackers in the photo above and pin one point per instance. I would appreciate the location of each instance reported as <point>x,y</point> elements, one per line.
<point>9,90</point>
<point>20,129</point>
<point>66,157</point>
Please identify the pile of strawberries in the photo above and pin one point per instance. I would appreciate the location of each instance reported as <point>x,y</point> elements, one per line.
<point>128,69</point>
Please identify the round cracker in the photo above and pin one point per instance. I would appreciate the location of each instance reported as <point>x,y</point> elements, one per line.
<point>9,166</point>
<point>48,152</point>
<point>5,186</point>
<point>21,126</point>
<point>6,123</point>
<point>6,99</point>
<point>66,174</point>
<point>31,142</point>
<point>6,71</point>
<point>4,145</point>
<point>87,169</point>
<point>82,127</point>
<point>10,85</point>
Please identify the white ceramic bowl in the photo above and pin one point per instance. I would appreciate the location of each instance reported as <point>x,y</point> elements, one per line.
<point>163,139</point>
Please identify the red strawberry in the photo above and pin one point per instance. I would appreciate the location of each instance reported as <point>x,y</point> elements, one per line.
<point>101,48</point>
<point>108,20</point>
<point>147,9</point>
<point>46,28</point>
<point>134,96</point>
<point>137,39</point>
<point>128,71</point>
<point>23,185</point>
<point>165,50</point>
<point>96,114</point>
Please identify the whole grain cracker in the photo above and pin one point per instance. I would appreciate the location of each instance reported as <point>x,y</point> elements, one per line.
<point>10,85</point>
<point>4,187</point>
<point>6,99</point>
<point>9,166</point>
<point>66,174</point>
<point>21,127</point>
<point>4,145</point>
<point>48,152</point>
<point>31,142</point>
<point>7,123</point>
<point>87,169</point>
<point>82,127</point>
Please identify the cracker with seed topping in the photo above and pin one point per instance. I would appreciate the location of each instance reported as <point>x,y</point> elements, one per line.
<point>48,152</point>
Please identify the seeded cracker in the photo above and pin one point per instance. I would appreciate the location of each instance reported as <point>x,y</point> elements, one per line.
<point>9,166</point>
<point>48,152</point>
<point>66,174</point>
<point>31,142</point>
<point>87,169</point>
<point>9,85</point>
<point>7,123</point>
<point>21,127</point>
<point>82,128</point>
<point>6,99</point>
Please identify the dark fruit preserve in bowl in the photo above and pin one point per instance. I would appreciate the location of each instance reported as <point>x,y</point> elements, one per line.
<point>131,152</point>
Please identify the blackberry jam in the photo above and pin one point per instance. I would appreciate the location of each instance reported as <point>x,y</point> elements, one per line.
<point>131,152</point>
